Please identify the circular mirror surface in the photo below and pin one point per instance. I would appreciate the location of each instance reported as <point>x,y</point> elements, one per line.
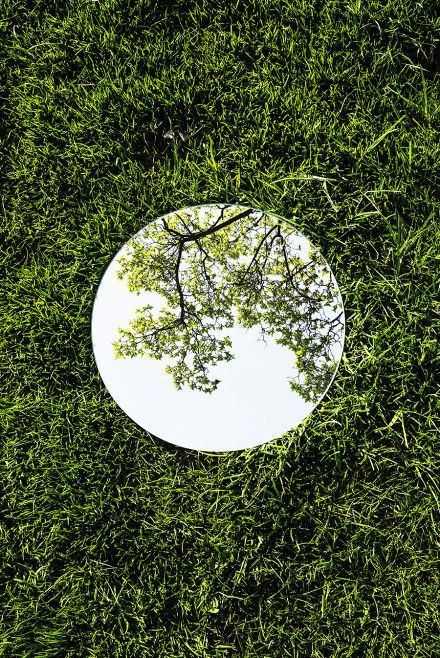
<point>218,327</point>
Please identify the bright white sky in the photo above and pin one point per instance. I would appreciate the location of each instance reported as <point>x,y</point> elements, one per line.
<point>253,403</point>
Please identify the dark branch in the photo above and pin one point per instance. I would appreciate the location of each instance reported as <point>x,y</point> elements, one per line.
<point>179,287</point>
<point>213,229</point>
<point>171,230</point>
<point>254,258</point>
<point>289,273</point>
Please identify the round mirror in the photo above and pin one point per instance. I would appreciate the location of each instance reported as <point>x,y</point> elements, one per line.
<point>218,327</point>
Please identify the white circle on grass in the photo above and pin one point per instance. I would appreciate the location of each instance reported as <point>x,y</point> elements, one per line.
<point>188,282</point>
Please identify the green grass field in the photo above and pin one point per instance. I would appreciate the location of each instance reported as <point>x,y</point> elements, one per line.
<point>320,544</point>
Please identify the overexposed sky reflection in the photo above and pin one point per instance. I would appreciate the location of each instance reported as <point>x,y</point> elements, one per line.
<point>253,403</point>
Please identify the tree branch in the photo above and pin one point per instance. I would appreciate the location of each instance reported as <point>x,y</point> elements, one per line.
<point>179,287</point>
<point>263,240</point>
<point>213,229</point>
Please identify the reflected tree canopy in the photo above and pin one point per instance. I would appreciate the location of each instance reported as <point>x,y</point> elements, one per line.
<point>218,266</point>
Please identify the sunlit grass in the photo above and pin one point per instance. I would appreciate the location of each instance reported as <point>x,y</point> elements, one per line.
<point>116,544</point>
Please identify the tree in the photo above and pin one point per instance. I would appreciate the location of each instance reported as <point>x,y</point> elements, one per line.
<point>217,266</point>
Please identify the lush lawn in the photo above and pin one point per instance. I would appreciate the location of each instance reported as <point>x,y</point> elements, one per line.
<point>319,544</point>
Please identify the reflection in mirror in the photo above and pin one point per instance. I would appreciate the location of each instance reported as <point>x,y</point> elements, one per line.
<point>231,321</point>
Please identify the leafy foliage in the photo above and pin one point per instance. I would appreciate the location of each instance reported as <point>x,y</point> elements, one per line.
<point>218,266</point>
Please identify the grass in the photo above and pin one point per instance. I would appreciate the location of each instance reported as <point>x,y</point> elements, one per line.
<point>320,544</point>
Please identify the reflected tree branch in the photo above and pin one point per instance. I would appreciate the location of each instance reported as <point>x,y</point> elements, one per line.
<point>210,281</point>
